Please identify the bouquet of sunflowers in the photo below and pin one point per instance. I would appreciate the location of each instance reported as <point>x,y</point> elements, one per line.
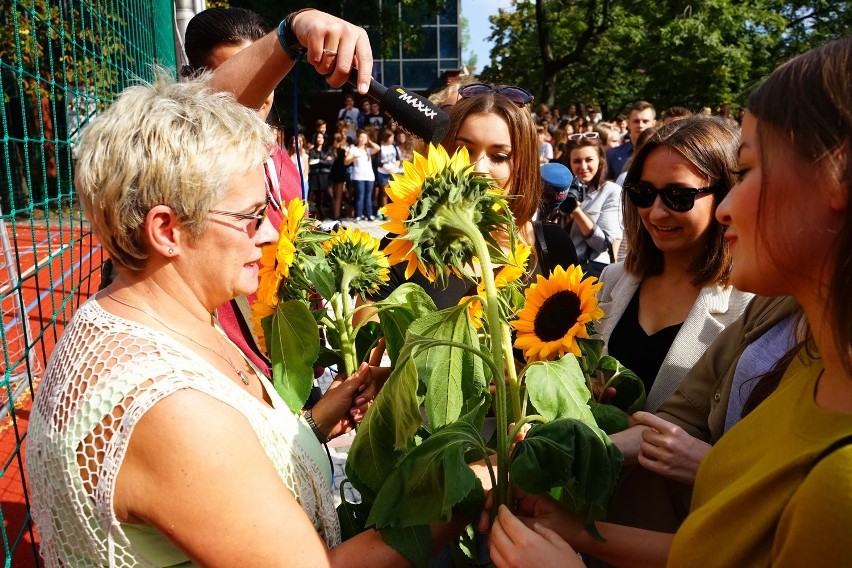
<point>303,267</point>
<point>453,367</point>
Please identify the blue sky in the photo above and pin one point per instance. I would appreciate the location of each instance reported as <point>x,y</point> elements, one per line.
<point>477,12</point>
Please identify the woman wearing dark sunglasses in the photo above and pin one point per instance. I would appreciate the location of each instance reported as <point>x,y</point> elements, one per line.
<point>671,296</point>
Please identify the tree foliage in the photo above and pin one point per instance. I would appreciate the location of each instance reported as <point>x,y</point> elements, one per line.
<point>693,54</point>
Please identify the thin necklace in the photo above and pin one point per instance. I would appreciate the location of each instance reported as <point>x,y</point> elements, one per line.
<point>226,357</point>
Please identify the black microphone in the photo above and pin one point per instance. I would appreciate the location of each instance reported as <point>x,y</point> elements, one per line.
<point>414,114</point>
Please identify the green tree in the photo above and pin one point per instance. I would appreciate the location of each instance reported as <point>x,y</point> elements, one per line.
<point>469,59</point>
<point>614,52</point>
<point>60,64</point>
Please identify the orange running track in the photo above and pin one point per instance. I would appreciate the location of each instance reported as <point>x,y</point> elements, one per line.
<point>59,268</point>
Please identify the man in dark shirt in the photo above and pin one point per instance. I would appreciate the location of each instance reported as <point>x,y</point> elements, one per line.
<point>642,116</point>
<point>375,118</point>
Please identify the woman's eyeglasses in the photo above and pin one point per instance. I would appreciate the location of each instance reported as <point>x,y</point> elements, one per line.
<point>259,217</point>
<point>517,95</point>
<point>583,135</point>
<point>679,199</point>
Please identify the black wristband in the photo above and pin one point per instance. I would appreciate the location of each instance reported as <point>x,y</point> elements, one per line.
<point>288,40</point>
<point>323,439</point>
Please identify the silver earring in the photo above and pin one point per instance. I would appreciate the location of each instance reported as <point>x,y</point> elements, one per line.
<point>171,251</point>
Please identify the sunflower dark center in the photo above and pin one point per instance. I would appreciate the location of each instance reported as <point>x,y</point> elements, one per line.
<point>557,315</point>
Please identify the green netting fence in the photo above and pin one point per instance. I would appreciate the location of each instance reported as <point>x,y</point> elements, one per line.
<point>61,61</point>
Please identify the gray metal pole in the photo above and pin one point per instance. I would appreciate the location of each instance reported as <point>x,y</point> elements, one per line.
<point>184,11</point>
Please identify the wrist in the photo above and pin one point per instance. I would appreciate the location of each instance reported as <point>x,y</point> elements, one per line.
<point>309,418</point>
<point>287,37</point>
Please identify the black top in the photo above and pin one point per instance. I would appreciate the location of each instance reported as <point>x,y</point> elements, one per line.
<point>554,249</point>
<point>641,353</point>
<point>338,167</point>
<point>325,157</point>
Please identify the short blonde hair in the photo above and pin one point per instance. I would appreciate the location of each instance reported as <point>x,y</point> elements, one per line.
<point>165,143</point>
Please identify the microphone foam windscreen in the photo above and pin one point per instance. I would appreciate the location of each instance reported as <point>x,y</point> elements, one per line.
<point>415,114</point>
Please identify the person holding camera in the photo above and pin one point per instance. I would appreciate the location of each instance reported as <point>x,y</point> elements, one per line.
<point>592,207</point>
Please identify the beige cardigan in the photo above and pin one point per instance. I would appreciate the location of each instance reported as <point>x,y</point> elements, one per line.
<point>715,308</point>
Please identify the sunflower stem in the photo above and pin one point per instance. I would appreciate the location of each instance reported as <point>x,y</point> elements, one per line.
<point>463,223</point>
<point>342,306</point>
<point>514,385</point>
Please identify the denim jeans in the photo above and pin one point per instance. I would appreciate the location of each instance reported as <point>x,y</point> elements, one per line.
<point>363,197</point>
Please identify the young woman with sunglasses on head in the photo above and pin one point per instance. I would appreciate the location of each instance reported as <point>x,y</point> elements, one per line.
<point>671,296</point>
<point>495,125</point>
<point>776,489</point>
<point>499,132</point>
<point>595,223</point>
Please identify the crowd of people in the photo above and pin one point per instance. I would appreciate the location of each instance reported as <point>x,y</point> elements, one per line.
<point>346,173</point>
<point>157,439</point>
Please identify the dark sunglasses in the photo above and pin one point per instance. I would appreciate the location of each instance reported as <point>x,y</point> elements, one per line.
<point>517,95</point>
<point>679,199</point>
<point>259,217</point>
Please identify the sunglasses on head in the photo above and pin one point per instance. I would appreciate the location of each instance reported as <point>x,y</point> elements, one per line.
<point>517,95</point>
<point>581,135</point>
<point>679,199</point>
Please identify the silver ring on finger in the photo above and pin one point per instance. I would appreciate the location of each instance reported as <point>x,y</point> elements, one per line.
<point>329,52</point>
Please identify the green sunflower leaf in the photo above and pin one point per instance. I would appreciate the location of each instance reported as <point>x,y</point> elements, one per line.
<point>388,427</point>
<point>430,480</point>
<point>558,389</point>
<point>320,275</point>
<point>451,375</point>
<point>609,418</point>
<point>629,388</point>
<point>352,516</point>
<point>404,305</point>
<point>329,358</point>
<point>293,344</point>
<point>569,454</point>
<point>414,543</point>
<point>591,350</point>
<point>365,339</point>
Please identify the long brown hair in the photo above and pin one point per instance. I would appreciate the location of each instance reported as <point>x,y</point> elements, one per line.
<point>808,100</point>
<point>525,185</point>
<point>598,144</point>
<point>710,145</point>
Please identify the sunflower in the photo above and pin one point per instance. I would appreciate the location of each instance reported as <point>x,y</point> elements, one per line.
<point>293,219</point>
<point>508,275</point>
<point>434,204</point>
<point>556,313</point>
<point>259,311</point>
<point>279,260</point>
<point>355,254</point>
<point>275,263</point>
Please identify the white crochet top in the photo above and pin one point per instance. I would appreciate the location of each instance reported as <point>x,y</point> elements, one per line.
<point>104,374</point>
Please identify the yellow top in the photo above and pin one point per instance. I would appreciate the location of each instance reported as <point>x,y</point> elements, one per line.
<point>760,497</point>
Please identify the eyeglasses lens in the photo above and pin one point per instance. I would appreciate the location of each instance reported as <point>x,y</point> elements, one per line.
<point>262,214</point>
<point>517,95</point>
<point>677,199</point>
